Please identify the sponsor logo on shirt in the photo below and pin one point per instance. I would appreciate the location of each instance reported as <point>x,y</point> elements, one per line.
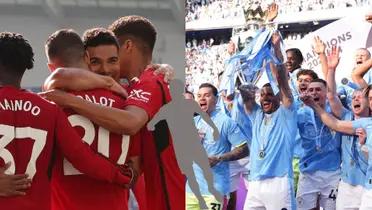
<point>139,94</point>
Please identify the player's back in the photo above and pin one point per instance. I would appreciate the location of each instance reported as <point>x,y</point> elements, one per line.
<point>72,190</point>
<point>27,130</point>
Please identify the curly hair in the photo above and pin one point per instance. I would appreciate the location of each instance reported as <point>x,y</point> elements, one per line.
<point>297,53</point>
<point>16,53</point>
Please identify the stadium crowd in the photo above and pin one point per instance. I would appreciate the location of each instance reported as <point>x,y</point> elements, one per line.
<point>207,10</point>
<point>203,63</point>
<point>220,9</point>
<point>206,60</point>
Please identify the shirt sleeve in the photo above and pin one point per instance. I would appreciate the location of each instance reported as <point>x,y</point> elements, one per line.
<point>147,95</point>
<point>235,135</point>
<point>289,113</point>
<point>82,157</point>
<point>135,145</point>
<point>362,123</point>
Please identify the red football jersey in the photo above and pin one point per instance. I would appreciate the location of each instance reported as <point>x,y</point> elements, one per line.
<point>165,183</point>
<point>72,190</point>
<point>31,129</point>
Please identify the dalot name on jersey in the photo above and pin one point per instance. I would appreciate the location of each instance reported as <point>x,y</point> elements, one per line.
<point>104,101</point>
<point>20,105</point>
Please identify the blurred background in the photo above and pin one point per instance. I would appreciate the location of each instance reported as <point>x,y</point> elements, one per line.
<point>37,19</point>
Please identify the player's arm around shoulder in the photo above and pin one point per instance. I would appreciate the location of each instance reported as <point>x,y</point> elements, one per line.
<point>119,121</point>
<point>65,78</point>
<point>81,79</point>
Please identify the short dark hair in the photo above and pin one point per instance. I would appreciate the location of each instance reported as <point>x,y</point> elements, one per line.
<point>65,45</point>
<point>321,81</point>
<point>135,27</point>
<point>309,72</point>
<point>297,53</point>
<point>189,92</point>
<point>267,85</point>
<point>16,54</point>
<point>99,36</point>
<point>367,89</point>
<point>209,85</point>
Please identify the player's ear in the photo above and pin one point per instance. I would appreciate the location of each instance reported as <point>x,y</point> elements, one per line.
<point>51,67</point>
<point>128,45</point>
<point>86,57</point>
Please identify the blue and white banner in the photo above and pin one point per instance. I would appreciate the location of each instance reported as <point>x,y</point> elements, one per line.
<point>350,33</point>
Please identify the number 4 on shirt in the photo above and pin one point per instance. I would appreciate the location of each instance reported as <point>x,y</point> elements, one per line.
<point>332,195</point>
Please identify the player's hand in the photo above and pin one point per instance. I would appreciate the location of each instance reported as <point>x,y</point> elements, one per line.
<point>213,160</point>
<point>272,12</point>
<point>59,97</point>
<point>318,46</point>
<point>276,40</point>
<point>117,88</point>
<point>13,185</point>
<point>128,171</point>
<point>164,69</point>
<point>361,133</point>
<point>307,99</point>
<point>333,57</point>
<point>248,92</point>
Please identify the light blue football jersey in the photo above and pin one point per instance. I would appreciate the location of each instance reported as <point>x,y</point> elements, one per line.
<point>273,138</point>
<point>320,145</point>
<point>366,123</point>
<point>354,163</point>
<point>230,136</point>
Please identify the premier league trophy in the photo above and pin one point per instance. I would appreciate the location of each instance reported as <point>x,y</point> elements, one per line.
<point>248,65</point>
